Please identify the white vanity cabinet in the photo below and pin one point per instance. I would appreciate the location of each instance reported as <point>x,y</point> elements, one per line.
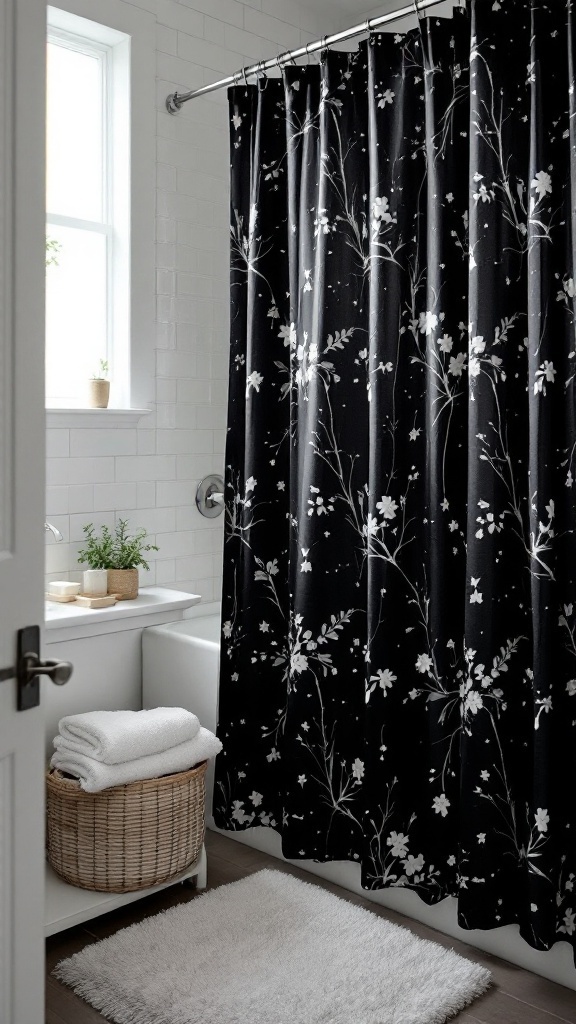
<point>105,648</point>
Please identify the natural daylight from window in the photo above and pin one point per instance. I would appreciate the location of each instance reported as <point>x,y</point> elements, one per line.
<point>87,209</point>
<point>79,227</point>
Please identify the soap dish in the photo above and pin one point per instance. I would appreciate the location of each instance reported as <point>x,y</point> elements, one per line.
<point>61,598</point>
<point>89,601</point>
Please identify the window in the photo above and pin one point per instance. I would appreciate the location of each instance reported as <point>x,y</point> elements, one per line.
<point>88,204</point>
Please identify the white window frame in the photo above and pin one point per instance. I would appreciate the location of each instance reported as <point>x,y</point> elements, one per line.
<point>113,170</point>
<point>128,34</point>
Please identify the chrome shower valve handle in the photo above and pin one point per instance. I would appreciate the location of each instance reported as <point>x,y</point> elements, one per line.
<point>210,496</point>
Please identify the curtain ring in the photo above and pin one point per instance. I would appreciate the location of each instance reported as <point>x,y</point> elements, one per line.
<point>243,73</point>
<point>323,50</point>
<point>261,72</point>
<point>370,31</point>
<point>418,13</point>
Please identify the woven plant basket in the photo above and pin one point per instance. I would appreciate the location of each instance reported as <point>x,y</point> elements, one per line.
<point>98,393</point>
<point>123,583</point>
<point>127,837</point>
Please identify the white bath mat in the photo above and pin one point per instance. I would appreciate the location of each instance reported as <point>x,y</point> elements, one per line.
<point>270,949</point>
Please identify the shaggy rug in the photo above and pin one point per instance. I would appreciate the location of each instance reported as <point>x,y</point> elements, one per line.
<point>270,949</point>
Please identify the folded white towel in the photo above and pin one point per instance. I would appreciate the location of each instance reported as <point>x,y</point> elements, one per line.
<point>116,736</point>
<point>94,775</point>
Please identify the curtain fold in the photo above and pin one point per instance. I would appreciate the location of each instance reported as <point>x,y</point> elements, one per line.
<point>399,601</point>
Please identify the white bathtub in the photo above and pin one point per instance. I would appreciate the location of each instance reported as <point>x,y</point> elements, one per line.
<point>180,668</point>
<point>181,663</point>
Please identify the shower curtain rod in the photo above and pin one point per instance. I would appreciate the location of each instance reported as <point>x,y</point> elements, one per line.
<point>175,101</point>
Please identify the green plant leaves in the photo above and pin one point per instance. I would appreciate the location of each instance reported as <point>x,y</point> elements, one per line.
<point>116,550</point>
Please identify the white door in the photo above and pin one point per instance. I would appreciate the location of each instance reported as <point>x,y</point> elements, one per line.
<point>22,243</point>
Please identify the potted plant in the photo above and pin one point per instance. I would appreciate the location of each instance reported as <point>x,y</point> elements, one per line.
<point>119,553</point>
<point>53,247</point>
<point>99,387</point>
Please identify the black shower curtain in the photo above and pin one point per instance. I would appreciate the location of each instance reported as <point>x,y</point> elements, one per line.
<point>398,682</point>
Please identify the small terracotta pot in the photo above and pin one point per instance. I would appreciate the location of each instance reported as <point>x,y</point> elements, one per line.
<point>98,394</point>
<point>123,583</point>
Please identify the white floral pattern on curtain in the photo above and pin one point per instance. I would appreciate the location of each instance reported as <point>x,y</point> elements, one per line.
<point>398,682</point>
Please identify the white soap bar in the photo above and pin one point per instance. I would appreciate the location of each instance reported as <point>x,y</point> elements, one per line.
<point>64,587</point>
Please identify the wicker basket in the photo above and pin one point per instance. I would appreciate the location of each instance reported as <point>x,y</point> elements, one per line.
<point>127,837</point>
<point>123,583</point>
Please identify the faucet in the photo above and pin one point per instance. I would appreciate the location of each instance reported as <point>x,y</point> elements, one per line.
<point>52,529</point>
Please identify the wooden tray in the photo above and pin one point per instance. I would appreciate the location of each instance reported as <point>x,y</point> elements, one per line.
<point>88,601</point>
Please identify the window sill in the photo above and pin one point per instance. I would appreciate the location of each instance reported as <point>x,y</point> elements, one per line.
<point>94,417</point>
<point>153,606</point>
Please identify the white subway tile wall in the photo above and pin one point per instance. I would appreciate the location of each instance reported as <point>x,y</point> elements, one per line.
<point>149,475</point>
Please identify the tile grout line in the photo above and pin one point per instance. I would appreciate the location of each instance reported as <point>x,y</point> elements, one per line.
<point>535,1006</point>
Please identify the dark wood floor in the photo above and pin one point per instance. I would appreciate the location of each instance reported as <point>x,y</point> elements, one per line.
<point>517,997</point>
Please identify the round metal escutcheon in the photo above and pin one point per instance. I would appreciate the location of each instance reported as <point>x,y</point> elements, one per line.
<point>210,496</point>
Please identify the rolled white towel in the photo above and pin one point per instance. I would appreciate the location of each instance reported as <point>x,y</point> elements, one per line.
<point>95,775</point>
<point>116,736</point>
